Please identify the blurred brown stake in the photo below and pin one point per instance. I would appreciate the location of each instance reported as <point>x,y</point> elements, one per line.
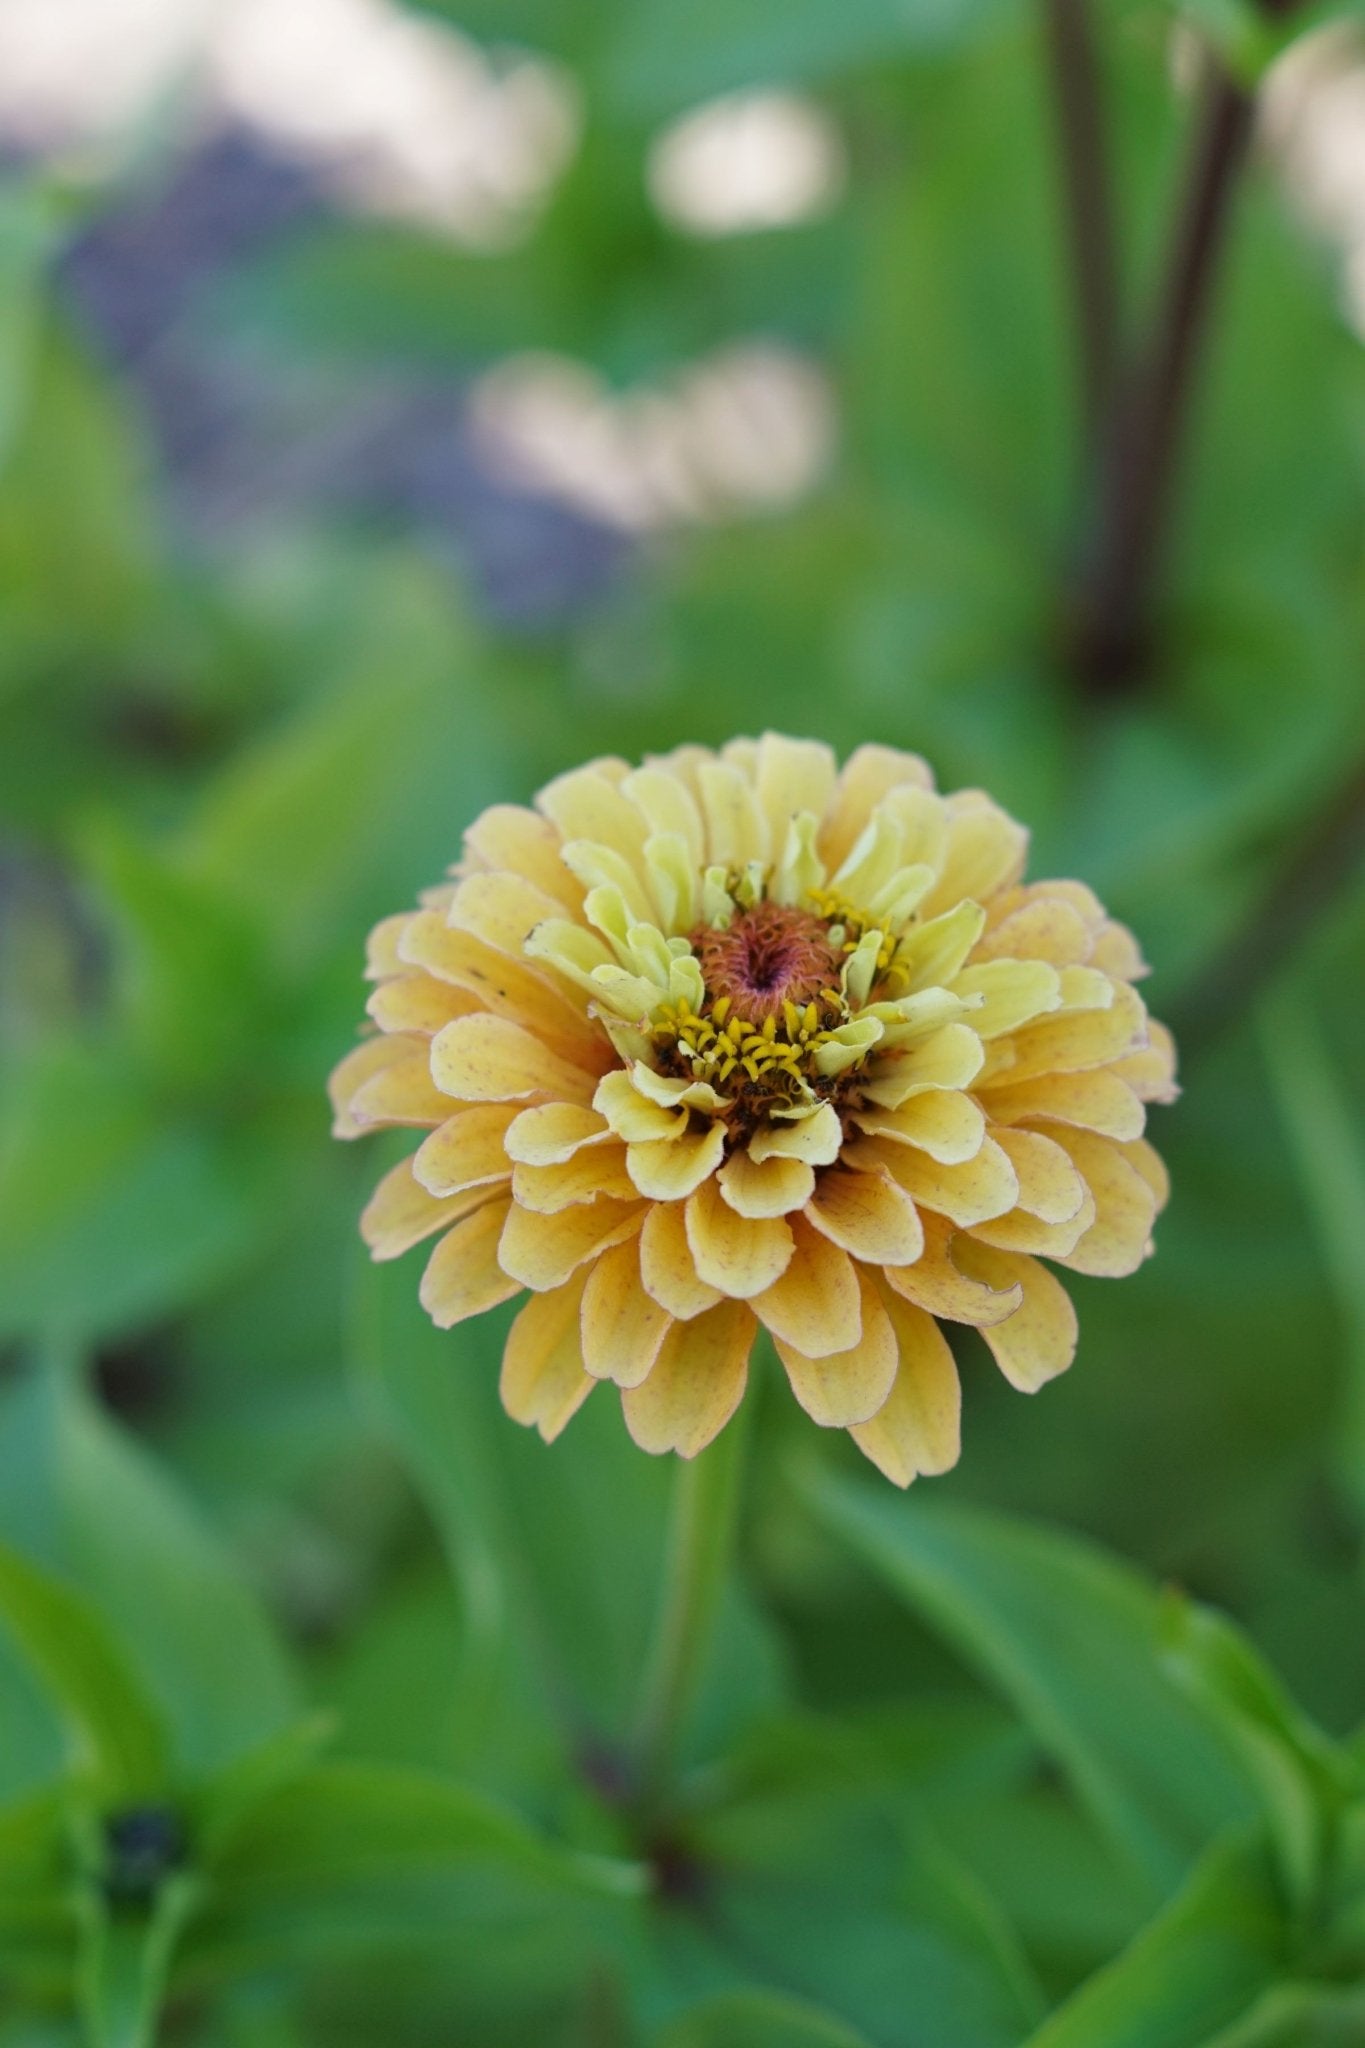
<point>1084,164</point>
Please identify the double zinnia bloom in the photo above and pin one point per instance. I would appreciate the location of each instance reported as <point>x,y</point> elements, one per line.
<point>738,1039</point>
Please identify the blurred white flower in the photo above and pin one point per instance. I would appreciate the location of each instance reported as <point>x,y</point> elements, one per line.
<point>747,161</point>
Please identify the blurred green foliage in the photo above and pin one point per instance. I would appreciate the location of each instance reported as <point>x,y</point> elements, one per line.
<point>314,1670</point>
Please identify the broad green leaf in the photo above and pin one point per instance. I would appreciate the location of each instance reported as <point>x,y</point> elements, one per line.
<point>89,1499</point>
<point>1070,1637</point>
<point>757,2019</point>
<point>1205,1960</point>
<point>119,1736</point>
<point>1299,2016</point>
<point>1300,1777</point>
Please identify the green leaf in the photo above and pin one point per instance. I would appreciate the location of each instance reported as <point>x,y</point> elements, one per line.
<point>120,1737</point>
<point>125,1965</point>
<point>757,2019</point>
<point>1300,1776</point>
<point>89,1499</point>
<point>1069,1636</point>
<point>27,242</point>
<point>1215,1950</point>
<point>666,58</point>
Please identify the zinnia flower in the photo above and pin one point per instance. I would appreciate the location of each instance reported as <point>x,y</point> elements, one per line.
<point>738,1039</point>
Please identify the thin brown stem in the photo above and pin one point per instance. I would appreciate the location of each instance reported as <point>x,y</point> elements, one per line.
<point>1084,164</point>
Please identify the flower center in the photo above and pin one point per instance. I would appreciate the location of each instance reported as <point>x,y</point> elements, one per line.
<point>766,957</point>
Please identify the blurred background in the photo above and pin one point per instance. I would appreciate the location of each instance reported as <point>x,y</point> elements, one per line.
<point>400,403</point>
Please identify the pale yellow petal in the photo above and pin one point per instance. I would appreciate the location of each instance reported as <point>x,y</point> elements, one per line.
<point>978,1188</point>
<point>867,1214</point>
<point>1039,1340</point>
<point>986,851</point>
<point>816,1305</point>
<point>738,1255</point>
<point>1150,1071</point>
<point>868,775</point>
<point>594,1170</point>
<point>844,1388</point>
<point>382,957</point>
<point>622,1326</point>
<point>695,1384</point>
<point>930,954</point>
<point>817,1138</point>
<point>543,1382</point>
<point>917,1429</point>
<point>634,1116</point>
<point>791,777</point>
<point>1095,1100</point>
<point>517,841</point>
<point>586,804</point>
<point>1119,1239</point>
<point>668,1169</point>
<point>767,1187</point>
<point>360,1065</point>
<point>418,1002</point>
<point>736,830</point>
<point>937,1283</point>
<point>506,987</point>
<point>491,1059</point>
<point>553,1131</point>
<point>1151,1166</point>
<point>1117,952</point>
<point>468,1150</point>
<point>502,910</point>
<point>667,1267</point>
<point>463,1276</point>
<point>950,1057</point>
<point>400,1212</point>
<point>541,1251</point>
<point>668,808</point>
<point>947,1125</point>
<point>399,1091</point>
<point>1011,992</point>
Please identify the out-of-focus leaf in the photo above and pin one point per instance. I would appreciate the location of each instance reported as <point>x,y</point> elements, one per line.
<point>1300,1776</point>
<point>757,2019</point>
<point>226,1801</point>
<point>38,1923</point>
<point>125,1963</point>
<point>27,240</point>
<point>1203,1963</point>
<point>1299,2016</point>
<point>665,59</point>
<point>1070,1636</point>
<point>119,1736</point>
<point>91,1501</point>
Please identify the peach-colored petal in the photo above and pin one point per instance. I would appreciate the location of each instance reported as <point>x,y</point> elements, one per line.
<point>400,1212</point>
<point>917,1429</point>
<point>738,1255</point>
<point>418,1002</point>
<point>1048,928</point>
<point>1117,952</point>
<point>1095,1100</point>
<point>1039,1340</point>
<point>695,1384</point>
<point>867,1214</point>
<point>543,1382</point>
<point>668,1169</point>
<point>1021,1232</point>
<point>466,1151</point>
<point>491,1059</point>
<point>502,910</point>
<point>1119,1239</point>
<point>463,1276</point>
<point>768,1187</point>
<point>937,1283</point>
<point>622,1326</point>
<point>1069,1043</point>
<point>815,1306</point>
<point>360,1065</point>
<point>540,1252</point>
<point>667,1267</point>
<point>947,1125</point>
<point>587,804</point>
<point>950,1058</point>
<point>551,1132</point>
<point>505,987</point>
<point>868,775</point>
<point>518,841</point>
<point>970,1193</point>
<point>841,1389</point>
<point>1050,1186</point>
<point>593,1171</point>
<point>986,851</point>
<point>1150,1071</point>
<point>1151,1166</point>
<point>401,1094</point>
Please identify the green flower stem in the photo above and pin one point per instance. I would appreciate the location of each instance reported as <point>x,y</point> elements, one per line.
<point>699,1543</point>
